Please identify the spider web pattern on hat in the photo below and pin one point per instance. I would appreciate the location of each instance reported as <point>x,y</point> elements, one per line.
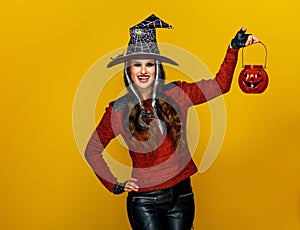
<point>143,36</point>
<point>142,43</point>
<point>152,22</point>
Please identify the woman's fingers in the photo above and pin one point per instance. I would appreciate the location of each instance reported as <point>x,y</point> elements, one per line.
<point>131,185</point>
<point>251,40</point>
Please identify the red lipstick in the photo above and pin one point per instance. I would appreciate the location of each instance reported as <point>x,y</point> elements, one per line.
<point>143,78</point>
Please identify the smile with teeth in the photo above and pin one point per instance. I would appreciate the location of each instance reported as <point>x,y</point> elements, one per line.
<point>143,78</point>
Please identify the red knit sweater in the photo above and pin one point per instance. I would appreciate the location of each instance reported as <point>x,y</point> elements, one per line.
<point>169,165</point>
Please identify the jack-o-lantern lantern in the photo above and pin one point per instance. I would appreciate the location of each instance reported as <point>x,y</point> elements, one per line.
<point>253,78</point>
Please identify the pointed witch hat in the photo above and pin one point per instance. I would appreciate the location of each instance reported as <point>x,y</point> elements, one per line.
<point>143,44</point>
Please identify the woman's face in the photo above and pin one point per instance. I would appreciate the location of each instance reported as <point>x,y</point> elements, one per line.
<point>142,72</point>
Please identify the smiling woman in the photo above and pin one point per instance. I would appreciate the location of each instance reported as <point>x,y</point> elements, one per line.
<point>152,119</point>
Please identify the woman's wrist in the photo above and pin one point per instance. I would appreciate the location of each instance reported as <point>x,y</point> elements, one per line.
<point>119,188</point>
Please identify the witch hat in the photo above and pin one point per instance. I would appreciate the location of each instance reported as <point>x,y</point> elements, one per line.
<point>143,44</point>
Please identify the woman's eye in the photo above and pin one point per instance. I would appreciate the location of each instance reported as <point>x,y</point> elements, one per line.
<point>150,64</point>
<point>137,64</point>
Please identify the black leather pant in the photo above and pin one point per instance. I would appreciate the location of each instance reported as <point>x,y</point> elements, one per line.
<point>166,209</point>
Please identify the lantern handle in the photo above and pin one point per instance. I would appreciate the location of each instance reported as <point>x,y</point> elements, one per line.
<point>265,65</point>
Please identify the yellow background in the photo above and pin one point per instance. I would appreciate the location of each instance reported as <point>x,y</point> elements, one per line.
<point>46,47</point>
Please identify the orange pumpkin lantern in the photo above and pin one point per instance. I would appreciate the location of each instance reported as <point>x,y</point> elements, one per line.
<point>253,78</point>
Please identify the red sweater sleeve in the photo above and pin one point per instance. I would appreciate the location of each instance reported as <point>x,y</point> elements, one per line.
<point>205,90</point>
<point>100,138</point>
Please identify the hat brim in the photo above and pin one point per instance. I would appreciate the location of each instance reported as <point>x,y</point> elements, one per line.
<point>124,58</point>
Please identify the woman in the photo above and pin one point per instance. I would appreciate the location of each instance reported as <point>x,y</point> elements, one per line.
<point>151,118</point>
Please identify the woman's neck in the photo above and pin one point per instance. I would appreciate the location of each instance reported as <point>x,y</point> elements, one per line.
<point>145,93</point>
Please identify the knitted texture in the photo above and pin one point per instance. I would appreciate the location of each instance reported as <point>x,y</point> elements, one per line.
<point>167,165</point>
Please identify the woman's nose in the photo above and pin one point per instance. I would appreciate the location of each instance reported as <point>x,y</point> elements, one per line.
<point>143,70</point>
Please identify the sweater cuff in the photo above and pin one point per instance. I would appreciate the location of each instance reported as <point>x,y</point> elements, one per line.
<point>232,50</point>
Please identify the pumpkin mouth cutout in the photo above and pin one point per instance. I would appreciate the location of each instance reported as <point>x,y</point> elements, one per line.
<point>252,85</point>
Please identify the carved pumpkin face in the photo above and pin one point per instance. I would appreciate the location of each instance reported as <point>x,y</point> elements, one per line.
<point>253,79</point>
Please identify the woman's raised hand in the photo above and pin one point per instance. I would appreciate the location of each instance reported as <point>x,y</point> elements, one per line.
<point>242,39</point>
